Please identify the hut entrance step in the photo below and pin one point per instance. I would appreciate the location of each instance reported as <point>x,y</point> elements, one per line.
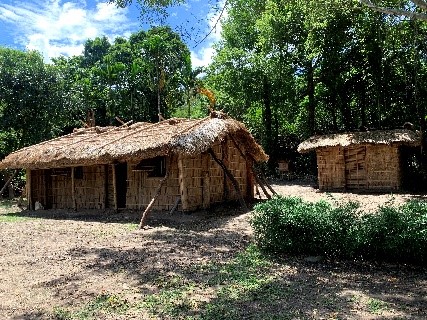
<point>121,184</point>
<point>355,167</point>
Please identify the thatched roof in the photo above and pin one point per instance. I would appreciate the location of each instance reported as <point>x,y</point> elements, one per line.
<point>385,137</point>
<point>97,145</point>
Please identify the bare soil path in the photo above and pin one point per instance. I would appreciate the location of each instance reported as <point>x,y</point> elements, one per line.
<point>57,262</point>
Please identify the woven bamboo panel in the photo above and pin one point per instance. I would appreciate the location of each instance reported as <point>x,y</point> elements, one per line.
<point>90,190</point>
<point>331,168</point>
<point>383,163</point>
<point>216,176</point>
<point>237,166</point>
<point>38,186</point>
<point>60,194</point>
<point>355,167</point>
<point>141,188</point>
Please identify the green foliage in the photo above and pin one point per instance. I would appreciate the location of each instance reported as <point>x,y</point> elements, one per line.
<point>294,226</point>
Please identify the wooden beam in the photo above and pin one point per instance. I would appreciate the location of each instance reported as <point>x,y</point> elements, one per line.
<point>182,185</point>
<point>232,179</point>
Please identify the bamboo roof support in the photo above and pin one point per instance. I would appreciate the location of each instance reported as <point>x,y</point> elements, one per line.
<point>259,176</point>
<point>182,185</point>
<point>231,177</point>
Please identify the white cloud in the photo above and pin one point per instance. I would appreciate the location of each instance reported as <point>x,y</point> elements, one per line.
<point>60,27</point>
<point>205,51</point>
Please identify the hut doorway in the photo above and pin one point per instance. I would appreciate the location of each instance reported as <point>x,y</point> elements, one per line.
<point>355,167</point>
<point>121,184</point>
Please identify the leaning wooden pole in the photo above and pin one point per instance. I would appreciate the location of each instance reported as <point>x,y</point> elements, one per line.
<point>156,195</point>
<point>232,179</point>
<point>8,182</point>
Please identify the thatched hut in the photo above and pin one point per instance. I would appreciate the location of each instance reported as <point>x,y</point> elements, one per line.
<point>360,160</point>
<point>122,167</point>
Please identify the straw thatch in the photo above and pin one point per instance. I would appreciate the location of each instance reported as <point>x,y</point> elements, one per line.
<point>377,137</point>
<point>104,145</point>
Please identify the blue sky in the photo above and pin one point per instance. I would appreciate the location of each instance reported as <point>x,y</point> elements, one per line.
<point>60,27</point>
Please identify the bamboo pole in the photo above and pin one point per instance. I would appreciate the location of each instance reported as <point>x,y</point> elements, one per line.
<point>231,177</point>
<point>116,206</point>
<point>182,184</point>
<point>8,182</point>
<point>178,199</point>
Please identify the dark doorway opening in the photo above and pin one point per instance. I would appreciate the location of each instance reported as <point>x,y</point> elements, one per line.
<point>121,184</point>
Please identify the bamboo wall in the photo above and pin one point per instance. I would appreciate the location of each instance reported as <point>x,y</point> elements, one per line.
<point>331,168</point>
<point>383,167</point>
<point>141,188</point>
<point>366,167</point>
<point>197,180</point>
<point>55,190</point>
<point>90,191</point>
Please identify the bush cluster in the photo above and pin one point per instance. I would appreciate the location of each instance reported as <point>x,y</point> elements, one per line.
<point>291,225</point>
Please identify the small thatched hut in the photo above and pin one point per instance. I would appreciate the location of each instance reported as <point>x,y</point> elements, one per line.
<point>360,160</point>
<point>122,167</point>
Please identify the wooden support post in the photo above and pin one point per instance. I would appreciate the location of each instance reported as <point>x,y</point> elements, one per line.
<point>116,206</point>
<point>182,185</point>
<point>29,187</point>
<point>73,188</point>
<point>231,177</point>
<point>156,195</point>
<point>8,181</point>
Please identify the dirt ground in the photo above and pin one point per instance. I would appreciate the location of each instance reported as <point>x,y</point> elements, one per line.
<point>52,260</point>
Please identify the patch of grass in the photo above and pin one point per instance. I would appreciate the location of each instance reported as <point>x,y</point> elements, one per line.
<point>104,303</point>
<point>220,291</point>
<point>376,306</point>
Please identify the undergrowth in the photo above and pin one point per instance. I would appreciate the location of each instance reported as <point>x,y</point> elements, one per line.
<point>291,225</point>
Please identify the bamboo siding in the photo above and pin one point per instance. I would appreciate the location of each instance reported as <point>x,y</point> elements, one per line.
<point>331,168</point>
<point>383,163</point>
<point>198,181</point>
<point>141,188</point>
<point>359,167</point>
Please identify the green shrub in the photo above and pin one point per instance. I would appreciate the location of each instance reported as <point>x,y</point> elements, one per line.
<point>291,225</point>
<point>396,233</point>
<point>294,226</point>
